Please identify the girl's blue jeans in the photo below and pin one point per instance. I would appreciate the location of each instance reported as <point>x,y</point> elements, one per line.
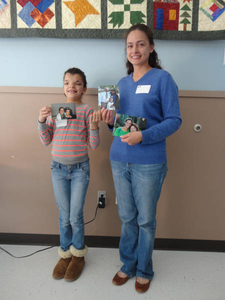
<point>138,188</point>
<point>70,185</point>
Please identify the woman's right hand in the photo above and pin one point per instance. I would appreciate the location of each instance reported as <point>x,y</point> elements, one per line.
<point>107,116</point>
<point>44,113</point>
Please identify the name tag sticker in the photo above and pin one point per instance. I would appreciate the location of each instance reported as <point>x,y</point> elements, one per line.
<point>61,123</point>
<point>143,89</point>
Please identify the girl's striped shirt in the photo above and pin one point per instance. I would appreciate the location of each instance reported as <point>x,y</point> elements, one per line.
<point>70,143</point>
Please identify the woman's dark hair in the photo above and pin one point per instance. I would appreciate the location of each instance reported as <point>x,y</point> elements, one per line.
<point>153,60</point>
<point>127,119</point>
<point>74,71</point>
<point>67,108</point>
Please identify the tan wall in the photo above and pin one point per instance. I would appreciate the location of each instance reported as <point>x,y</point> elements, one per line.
<point>192,202</point>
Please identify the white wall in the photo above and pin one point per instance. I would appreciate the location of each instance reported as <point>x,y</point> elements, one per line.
<point>36,62</point>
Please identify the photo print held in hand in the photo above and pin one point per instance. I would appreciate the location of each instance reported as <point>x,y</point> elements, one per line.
<point>108,97</point>
<point>124,124</point>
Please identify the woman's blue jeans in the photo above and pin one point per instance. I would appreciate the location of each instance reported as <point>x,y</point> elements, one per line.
<point>138,188</point>
<point>70,185</point>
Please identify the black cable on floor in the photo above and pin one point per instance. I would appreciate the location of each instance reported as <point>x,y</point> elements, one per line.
<point>25,256</point>
<point>28,254</point>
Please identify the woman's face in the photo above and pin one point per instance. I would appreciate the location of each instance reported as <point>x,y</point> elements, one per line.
<point>67,112</point>
<point>128,124</point>
<point>138,48</point>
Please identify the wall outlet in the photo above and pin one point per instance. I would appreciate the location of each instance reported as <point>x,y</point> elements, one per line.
<point>101,200</point>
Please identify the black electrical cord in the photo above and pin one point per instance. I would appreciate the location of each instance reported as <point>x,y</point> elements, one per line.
<point>28,254</point>
<point>94,216</point>
<point>25,256</point>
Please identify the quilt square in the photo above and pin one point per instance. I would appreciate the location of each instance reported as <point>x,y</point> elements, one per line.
<point>211,15</point>
<point>36,14</point>
<point>81,14</point>
<point>172,15</point>
<point>122,14</point>
<point>5,14</point>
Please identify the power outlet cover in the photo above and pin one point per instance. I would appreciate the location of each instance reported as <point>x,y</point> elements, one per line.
<point>101,194</point>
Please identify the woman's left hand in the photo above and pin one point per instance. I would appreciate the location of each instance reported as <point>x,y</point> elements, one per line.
<point>95,118</point>
<point>132,138</point>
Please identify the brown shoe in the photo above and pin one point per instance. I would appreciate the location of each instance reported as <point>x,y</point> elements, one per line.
<point>117,280</point>
<point>75,268</point>
<point>142,288</point>
<point>60,269</point>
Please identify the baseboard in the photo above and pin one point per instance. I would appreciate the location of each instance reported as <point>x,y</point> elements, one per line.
<point>189,245</point>
<point>113,242</point>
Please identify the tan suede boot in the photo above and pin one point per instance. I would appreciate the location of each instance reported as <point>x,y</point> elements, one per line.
<point>60,268</point>
<point>76,265</point>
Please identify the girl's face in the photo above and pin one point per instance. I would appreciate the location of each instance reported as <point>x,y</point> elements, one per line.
<point>61,111</point>
<point>73,87</point>
<point>67,112</point>
<point>133,128</point>
<point>138,48</point>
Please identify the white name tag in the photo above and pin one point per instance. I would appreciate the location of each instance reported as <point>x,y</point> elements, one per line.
<point>61,123</point>
<point>143,89</point>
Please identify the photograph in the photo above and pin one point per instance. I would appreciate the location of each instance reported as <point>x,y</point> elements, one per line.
<point>63,111</point>
<point>124,124</point>
<point>108,97</point>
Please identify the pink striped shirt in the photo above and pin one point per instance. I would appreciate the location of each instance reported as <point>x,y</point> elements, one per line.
<point>70,143</point>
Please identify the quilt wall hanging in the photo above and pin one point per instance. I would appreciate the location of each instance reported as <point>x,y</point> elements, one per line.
<point>105,19</point>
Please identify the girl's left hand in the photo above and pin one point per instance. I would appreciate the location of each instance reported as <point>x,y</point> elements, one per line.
<point>132,138</point>
<point>95,118</point>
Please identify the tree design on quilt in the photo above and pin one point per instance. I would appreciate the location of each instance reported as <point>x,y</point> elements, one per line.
<point>172,15</point>
<point>124,13</point>
<point>185,15</point>
<point>36,14</point>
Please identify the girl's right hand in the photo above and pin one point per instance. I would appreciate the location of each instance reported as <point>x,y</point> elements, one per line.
<point>44,113</point>
<point>107,116</point>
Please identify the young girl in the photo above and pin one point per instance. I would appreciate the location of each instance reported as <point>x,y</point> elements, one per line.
<point>70,171</point>
<point>138,159</point>
<point>134,127</point>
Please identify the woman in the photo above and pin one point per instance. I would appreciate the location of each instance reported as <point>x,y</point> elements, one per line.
<point>138,159</point>
<point>68,113</point>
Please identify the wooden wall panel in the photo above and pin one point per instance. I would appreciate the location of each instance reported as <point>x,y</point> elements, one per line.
<point>192,202</point>
<point>192,205</point>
